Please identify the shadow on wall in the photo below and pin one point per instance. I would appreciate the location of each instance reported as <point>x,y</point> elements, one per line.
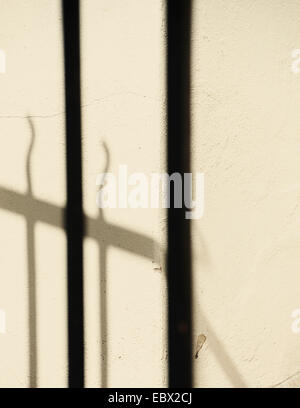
<point>180,273</point>
<point>208,334</point>
<point>226,363</point>
<point>105,234</point>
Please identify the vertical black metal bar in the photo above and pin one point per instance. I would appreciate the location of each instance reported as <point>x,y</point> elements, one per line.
<point>74,212</point>
<point>179,247</point>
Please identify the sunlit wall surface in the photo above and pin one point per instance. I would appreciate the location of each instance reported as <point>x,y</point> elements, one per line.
<point>122,108</point>
<point>33,348</point>
<point>245,127</point>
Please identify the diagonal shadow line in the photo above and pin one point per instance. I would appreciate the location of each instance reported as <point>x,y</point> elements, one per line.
<point>225,360</point>
<point>221,354</point>
<point>51,214</point>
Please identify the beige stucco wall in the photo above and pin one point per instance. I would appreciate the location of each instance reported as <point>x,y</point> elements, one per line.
<point>123,124</point>
<point>32,192</point>
<point>122,106</point>
<point>245,127</point>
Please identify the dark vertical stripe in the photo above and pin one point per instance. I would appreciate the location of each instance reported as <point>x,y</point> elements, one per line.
<point>179,246</point>
<point>103,311</point>
<point>74,212</point>
<point>31,274</point>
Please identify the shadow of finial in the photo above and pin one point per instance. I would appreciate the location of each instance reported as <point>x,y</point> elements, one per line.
<point>107,160</point>
<point>30,122</point>
<point>105,170</point>
<point>104,145</point>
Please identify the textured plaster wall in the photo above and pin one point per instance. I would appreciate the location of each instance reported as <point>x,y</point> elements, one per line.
<point>246,139</point>
<point>33,255</point>
<point>245,131</point>
<point>123,98</point>
<point>122,106</point>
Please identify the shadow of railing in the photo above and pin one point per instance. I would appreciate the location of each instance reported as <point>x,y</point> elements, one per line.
<point>105,234</point>
<point>32,325</point>
<point>179,258</point>
<point>74,220</point>
<point>225,361</point>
